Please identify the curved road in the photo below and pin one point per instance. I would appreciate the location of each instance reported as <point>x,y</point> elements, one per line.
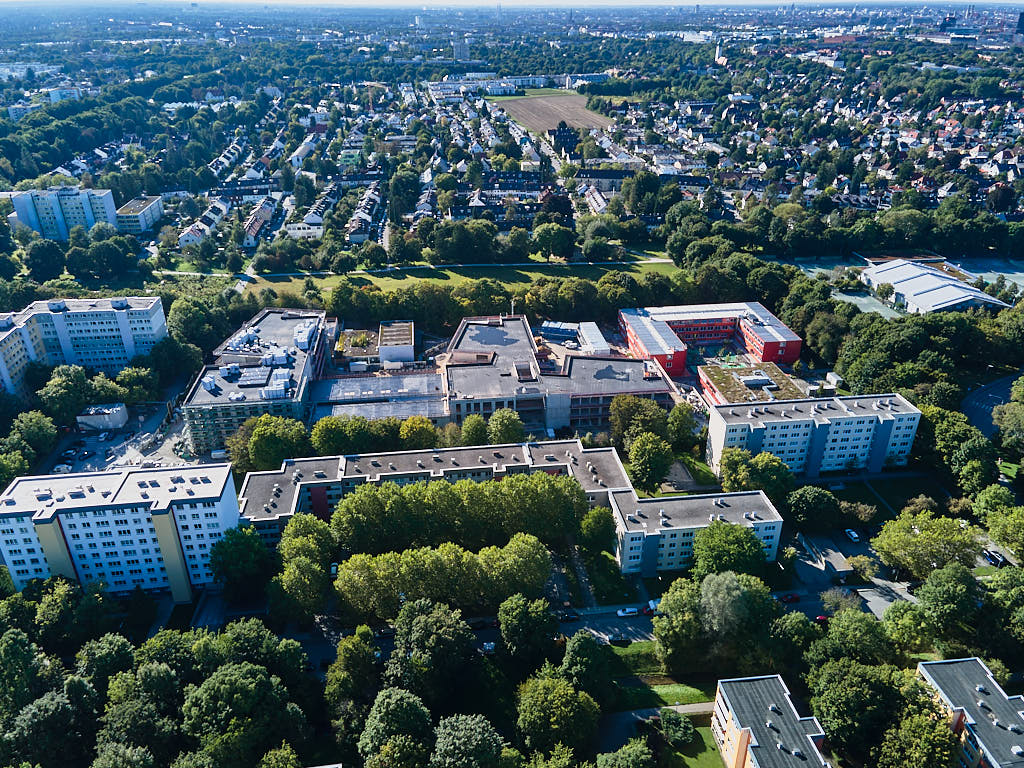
<point>978,405</point>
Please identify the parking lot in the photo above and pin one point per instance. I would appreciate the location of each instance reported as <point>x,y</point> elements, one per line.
<point>138,444</point>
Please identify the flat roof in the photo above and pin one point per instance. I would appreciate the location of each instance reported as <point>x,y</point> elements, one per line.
<point>47,495</point>
<point>396,333</point>
<point>730,382</point>
<point>667,512</point>
<point>821,410</point>
<point>989,712</point>
<point>487,356</point>
<point>763,705</point>
<point>270,332</point>
<point>930,288</point>
<point>766,325</point>
<point>138,205</point>
<point>596,469</point>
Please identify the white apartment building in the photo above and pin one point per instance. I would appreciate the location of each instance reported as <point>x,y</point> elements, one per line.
<point>653,535</point>
<point>816,435</point>
<point>55,211</point>
<point>126,528</point>
<point>104,334</point>
<point>140,215</point>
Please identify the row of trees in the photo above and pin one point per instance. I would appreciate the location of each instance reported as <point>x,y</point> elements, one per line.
<point>262,443</point>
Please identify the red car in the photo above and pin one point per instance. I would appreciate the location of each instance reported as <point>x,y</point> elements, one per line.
<point>790,597</point>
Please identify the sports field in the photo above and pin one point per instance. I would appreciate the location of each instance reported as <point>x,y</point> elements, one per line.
<point>547,107</point>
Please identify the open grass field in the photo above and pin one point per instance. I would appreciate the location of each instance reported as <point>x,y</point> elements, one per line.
<point>700,753</point>
<point>646,695</point>
<point>542,112</point>
<point>513,277</point>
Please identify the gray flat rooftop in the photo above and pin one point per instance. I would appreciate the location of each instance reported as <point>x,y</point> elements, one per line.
<point>360,389</point>
<point>85,305</point>
<point>432,408</point>
<point>396,334</point>
<point>957,682</point>
<point>138,205</point>
<point>271,331</point>
<point>756,701</point>
<point>48,495</point>
<point>596,469</point>
<point>743,508</point>
<point>820,409</point>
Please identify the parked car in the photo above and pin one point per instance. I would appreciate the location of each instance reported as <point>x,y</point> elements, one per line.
<point>86,455</point>
<point>994,558</point>
<point>623,613</point>
<point>385,631</point>
<point>68,454</point>
<point>478,623</point>
<point>821,620</point>
<point>852,535</point>
<point>62,469</point>
<point>790,597</point>
<point>568,615</point>
<point>488,649</point>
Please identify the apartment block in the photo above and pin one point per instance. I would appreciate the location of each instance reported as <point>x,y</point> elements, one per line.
<point>988,722</point>
<point>140,215</point>
<point>126,528</point>
<point>652,534</point>
<point>55,211</point>
<point>265,367</point>
<point>815,435</point>
<point>755,725</point>
<point>664,333</point>
<point>104,334</point>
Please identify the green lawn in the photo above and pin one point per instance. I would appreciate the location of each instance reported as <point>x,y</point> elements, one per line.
<point>699,471</point>
<point>513,277</point>
<point>1009,469</point>
<point>644,696</point>
<point>637,658</point>
<point>895,491</point>
<point>701,753</point>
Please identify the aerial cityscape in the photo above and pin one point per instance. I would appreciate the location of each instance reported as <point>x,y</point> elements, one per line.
<point>511,386</point>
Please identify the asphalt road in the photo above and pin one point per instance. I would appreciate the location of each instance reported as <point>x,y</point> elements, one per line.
<point>978,405</point>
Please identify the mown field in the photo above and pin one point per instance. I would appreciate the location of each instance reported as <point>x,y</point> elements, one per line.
<point>513,277</point>
<point>541,112</point>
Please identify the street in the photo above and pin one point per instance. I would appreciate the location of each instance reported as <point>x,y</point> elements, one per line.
<point>978,405</point>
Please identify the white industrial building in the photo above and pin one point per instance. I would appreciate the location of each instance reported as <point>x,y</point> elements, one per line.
<point>921,288</point>
<point>126,528</point>
<point>105,416</point>
<point>815,435</point>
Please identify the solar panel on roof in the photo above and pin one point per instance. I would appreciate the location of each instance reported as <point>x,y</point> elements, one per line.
<point>254,377</point>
